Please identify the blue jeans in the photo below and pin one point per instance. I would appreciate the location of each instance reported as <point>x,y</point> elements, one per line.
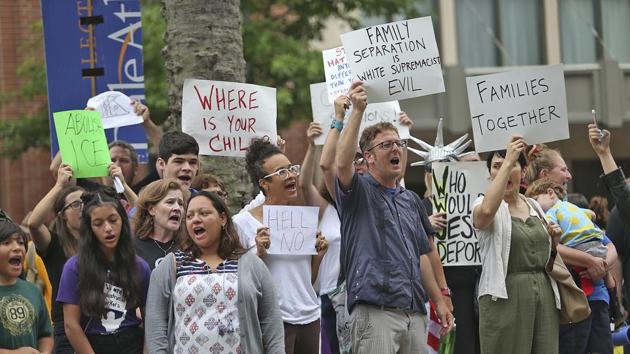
<point>589,336</point>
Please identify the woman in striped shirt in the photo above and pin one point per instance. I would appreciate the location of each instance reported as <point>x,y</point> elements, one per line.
<point>211,296</point>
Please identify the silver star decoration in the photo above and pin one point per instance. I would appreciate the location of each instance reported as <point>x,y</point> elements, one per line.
<point>439,152</point>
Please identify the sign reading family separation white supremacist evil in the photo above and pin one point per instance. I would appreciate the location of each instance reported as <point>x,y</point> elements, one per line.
<point>456,185</point>
<point>115,109</point>
<point>224,116</point>
<point>527,101</point>
<point>293,230</point>
<point>324,113</point>
<point>338,74</point>
<point>396,60</point>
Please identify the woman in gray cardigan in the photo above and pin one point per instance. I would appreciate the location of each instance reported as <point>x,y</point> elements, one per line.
<point>212,296</point>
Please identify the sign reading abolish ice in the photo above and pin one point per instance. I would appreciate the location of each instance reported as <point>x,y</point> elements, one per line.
<point>528,101</point>
<point>324,113</point>
<point>82,142</point>
<point>396,60</point>
<point>456,185</point>
<point>338,74</point>
<point>224,116</point>
<point>293,230</point>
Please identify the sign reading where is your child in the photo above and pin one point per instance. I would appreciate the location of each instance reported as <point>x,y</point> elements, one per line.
<point>455,186</point>
<point>224,116</point>
<point>396,60</point>
<point>528,101</point>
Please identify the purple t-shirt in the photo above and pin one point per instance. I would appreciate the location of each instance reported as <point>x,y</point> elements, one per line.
<point>117,316</point>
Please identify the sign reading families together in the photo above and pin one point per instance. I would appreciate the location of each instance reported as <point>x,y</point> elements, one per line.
<point>396,60</point>
<point>293,230</point>
<point>528,101</point>
<point>82,142</point>
<point>456,185</point>
<point>224,116</point>
<point>324,113</point>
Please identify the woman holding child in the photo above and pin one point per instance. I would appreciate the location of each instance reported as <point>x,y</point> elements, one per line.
<point>518,304</point>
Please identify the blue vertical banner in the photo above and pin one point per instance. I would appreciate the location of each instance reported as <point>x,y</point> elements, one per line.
<point>94,46</point>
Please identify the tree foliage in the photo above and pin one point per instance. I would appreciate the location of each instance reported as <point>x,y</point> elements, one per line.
<point>276,36</point>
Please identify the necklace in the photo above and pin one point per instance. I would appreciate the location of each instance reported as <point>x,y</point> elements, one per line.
<point>167,249</point>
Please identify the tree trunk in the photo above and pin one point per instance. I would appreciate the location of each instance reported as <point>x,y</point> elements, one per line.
<point>203,40</point>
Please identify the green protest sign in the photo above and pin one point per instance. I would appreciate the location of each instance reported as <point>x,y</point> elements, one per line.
<point>82,142</point>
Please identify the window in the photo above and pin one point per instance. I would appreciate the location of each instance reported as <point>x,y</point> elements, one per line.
<point>499,32</point>
<point>594,29</point>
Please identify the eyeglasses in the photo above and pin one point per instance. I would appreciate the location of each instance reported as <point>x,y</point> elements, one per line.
<point>76,205</point>
<point>387,145</point>
<point>284,172</point>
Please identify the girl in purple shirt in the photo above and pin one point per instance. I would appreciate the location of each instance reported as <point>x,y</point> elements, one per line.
<point>103,285</point>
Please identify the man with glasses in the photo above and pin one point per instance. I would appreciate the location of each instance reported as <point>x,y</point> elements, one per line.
<point>384,242</point>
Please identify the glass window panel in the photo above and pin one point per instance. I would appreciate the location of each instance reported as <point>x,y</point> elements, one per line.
<point>616,28</point>
<point>521,27</point>
<point>576,25</point>
<point>475,18</point>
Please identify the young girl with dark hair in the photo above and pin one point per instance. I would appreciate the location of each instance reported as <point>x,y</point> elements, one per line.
<point>211,296</point>
<point>104,284</point>
<point>59,242</point>
<point>158,223</point>
<point>272,171</point>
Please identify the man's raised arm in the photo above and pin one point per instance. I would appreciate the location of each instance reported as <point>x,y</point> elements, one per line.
<point>346,147</point>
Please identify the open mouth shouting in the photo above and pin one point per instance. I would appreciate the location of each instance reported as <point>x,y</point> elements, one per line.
<point>185,180</point>
<point>175,217</point>
<point>15,262</point>
<point>199,232</point>
<point>291,185</point>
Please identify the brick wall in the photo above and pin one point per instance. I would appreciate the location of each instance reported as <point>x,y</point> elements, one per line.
<point>24,181</point>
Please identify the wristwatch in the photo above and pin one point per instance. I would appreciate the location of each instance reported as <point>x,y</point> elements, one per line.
<point>446,292</point>
<point>336,124</point>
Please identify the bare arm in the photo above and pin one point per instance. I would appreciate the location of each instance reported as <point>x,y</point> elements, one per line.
<point>438,271</point>
<point>153,131</point>
<point>305,180</point>
<point>45,344</point>
<point>428,282</point>
<point>484,212</point>
<point>322,246</point>
<point>54,164</point>
<point>348,141</point>
<point>36,222</point>
<point>74,332</point>
<point>595,266</point>
<point>601,146</point>
<point>327,160</point>
<point>404,120</point>
<point>115,171</point>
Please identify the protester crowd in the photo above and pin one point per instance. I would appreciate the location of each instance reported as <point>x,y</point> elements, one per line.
<point>167,267</point>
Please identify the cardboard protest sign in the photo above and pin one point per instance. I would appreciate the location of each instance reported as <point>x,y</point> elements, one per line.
<point>395,60</point>
<point>115,109</point>
<point>82,142</point>
<point>456,185</point>
<point>293,230</point>
<point>337,71</point>
<point>324,113</point>
<point>527,101</point>
<point>224,116</point>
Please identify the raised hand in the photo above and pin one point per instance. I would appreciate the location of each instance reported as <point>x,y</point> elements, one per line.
<point>314,130</point>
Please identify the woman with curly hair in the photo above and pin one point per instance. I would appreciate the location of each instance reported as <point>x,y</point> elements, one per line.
<point>102,286</point>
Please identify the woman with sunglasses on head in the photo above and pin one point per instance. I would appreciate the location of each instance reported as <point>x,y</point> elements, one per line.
<point>212,296</point>
<point>103,285</point>
<point>59,242</point>
<point>158,223</point>
<point>272,171</point>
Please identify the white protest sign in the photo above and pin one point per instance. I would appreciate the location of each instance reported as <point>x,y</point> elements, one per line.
<point>396,60</point>
<point>115,109</point>
<point>324,113</point>
<point>224,116</point>
<point>293,229</point>
<point>527,101</point>
<point>337,71</point>
<point>456,185</point>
